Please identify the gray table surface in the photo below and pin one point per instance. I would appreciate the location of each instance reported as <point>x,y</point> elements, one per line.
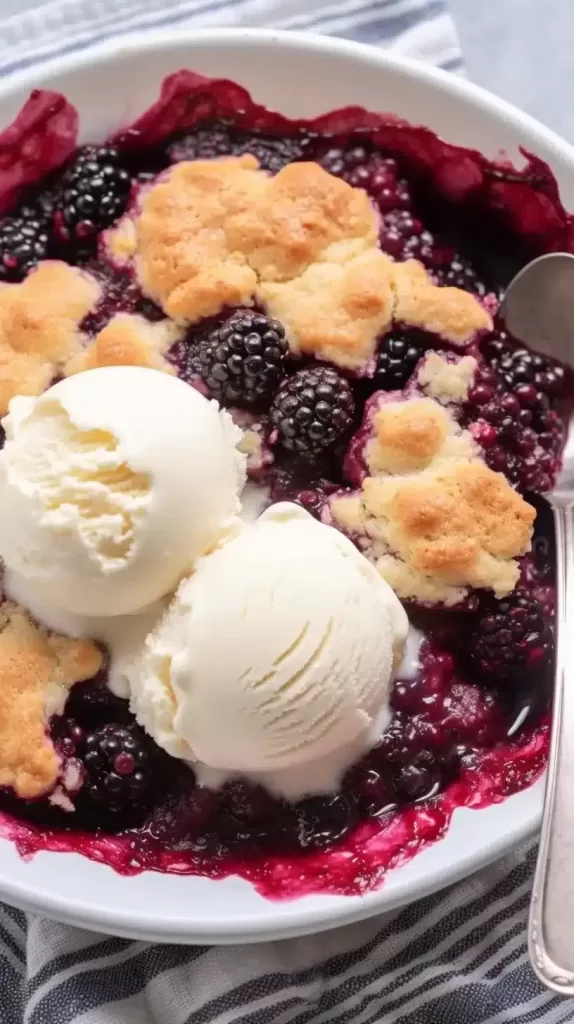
<point>523,50</point>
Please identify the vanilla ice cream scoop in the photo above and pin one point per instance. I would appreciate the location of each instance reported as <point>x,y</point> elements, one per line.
<point>275,657</point>
<point>112,484</point>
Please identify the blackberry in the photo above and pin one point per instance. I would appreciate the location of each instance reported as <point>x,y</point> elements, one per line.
<point>519,367</point>
<point>344,160</point>
<point>203,143</point>
<point>183,814</point>
<point>511,638</point>
<point>513,420</point>
<point>362,167</point>
<point>313,410</point>
<point>24,241</point>
<point>318,822</point>
<point>523,367</point>
<point>379,178</point>
<point>117,761</point>
<point>41,207</point>
<point>419,778</point>
<point>248,803</point>
<point>396,361</point>
<point>120,293</point>
<point>242,360</point>
<point>185,357</point>
<point>69,736</point>
<point>210,142</point>
<point>295,480</point>
<point>274,154</point>
<point>93,193</point>
<point>460,273</point>
<point>403,237</point>
<point>93,702</point>
<point>371,788</point>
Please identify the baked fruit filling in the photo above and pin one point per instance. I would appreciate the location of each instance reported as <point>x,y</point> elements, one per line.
<point>334,286</point>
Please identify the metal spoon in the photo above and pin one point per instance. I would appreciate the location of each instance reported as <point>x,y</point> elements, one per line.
<point>538,309</point>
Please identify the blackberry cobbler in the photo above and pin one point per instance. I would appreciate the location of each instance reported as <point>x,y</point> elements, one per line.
<point>334,285</point>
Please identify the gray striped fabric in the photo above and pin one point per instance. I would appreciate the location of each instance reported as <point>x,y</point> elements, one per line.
<point>458,957</point>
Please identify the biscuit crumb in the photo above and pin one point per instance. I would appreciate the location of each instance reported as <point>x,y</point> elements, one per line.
<point>37,669</point>
<point>451,313</point>
<point>412,435</point>
<point>447,380</point>
<point>128,340</point>
<point>121,241</point>
<point>335,311</point>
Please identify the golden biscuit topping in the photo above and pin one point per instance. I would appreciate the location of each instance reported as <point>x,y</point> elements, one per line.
<point>449,312</point>
<point>37,669</point>
<point>300,214</point>
<point>417,429</point>
<point>127,340</point>
<point>341,305</point>
<point>435,534</point>
<point>412,435</point>
<point>304,244</point>
<point>185,261</point>
<point>335,310</point>
<point>39,326</point>
<point>433,518</point>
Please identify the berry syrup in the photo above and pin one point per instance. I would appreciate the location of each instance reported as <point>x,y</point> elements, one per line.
<point>458,736</point>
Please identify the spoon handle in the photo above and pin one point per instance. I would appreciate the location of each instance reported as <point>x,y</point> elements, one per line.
<point>551,928</point>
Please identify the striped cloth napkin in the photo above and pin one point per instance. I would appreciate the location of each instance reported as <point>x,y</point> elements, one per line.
<point>458,957</point>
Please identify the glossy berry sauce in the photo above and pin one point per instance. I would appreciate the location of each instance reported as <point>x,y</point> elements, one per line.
<point>459,734</point>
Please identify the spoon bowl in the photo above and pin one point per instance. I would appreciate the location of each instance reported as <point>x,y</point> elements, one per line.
<point>538,307</point>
